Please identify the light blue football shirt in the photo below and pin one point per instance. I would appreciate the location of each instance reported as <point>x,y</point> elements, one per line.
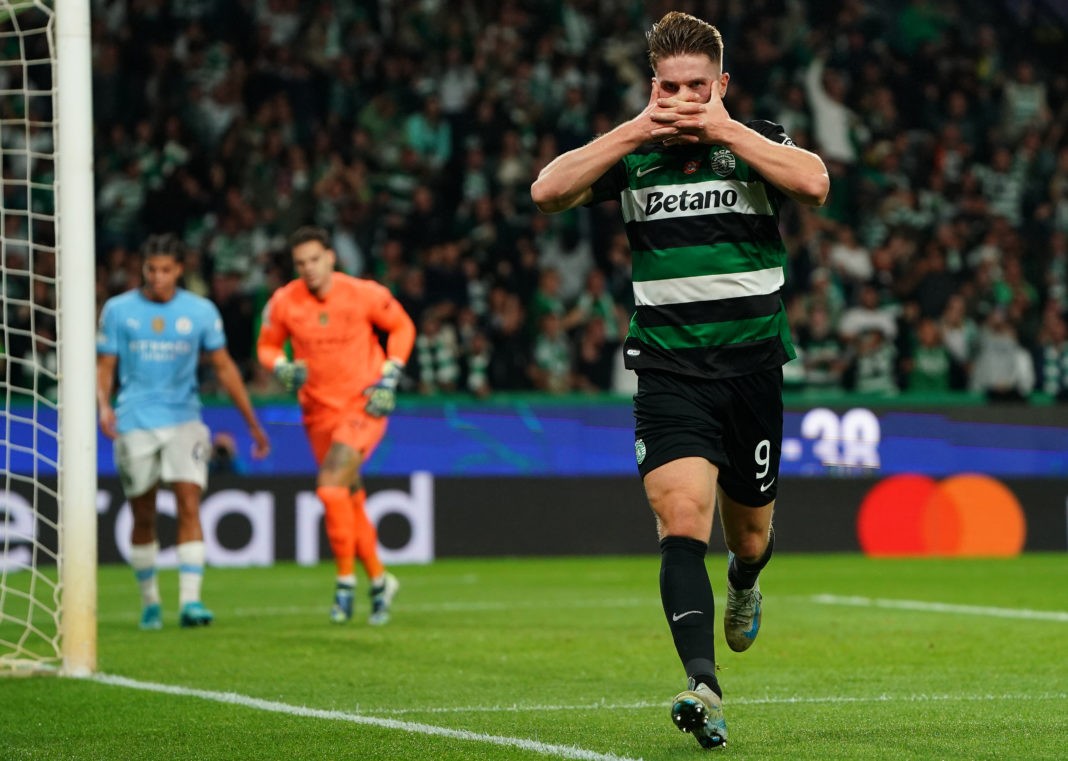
<point>158,347</point>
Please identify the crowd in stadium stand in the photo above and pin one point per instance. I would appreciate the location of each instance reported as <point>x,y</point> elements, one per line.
<point>412,132</point>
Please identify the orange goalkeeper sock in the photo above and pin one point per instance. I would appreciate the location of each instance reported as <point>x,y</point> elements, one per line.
<point>366,537</point>
<point>341,528</point>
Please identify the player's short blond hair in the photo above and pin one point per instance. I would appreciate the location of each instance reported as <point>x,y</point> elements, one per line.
<point>680,33</point>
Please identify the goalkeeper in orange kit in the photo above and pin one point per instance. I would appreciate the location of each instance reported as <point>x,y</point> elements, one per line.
<point>346,385</point>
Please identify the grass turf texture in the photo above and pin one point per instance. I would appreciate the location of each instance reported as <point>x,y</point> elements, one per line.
<point>567,658</point>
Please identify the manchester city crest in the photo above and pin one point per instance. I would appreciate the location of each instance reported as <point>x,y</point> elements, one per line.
<point>723,162</point>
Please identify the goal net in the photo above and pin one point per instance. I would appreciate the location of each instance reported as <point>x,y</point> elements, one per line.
<point>47,436</point>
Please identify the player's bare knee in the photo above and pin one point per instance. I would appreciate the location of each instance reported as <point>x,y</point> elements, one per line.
<point>143,510</point>
<point>144,525</point>
<point>683,516</point>
<point>749,547</point>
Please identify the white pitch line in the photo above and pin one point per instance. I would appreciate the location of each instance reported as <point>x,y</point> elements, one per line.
<point>233,698</point>
<point>942,607</point>
<point>474,606</point>
<point>770,700</point>
<point>637,602</point>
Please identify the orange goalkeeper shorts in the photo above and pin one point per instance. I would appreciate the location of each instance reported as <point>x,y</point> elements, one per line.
<point>353,428</point>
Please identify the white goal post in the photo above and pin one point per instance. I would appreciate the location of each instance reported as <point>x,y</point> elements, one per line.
<point>48,418</point>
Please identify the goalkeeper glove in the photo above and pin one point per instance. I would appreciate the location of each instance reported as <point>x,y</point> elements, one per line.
<point>382,396</point>
<point>290,374</point>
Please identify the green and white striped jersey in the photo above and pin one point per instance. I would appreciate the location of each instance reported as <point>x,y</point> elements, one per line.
<point>707,260</point>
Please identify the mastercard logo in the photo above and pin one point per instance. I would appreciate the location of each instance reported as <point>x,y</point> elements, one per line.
<point>964,515</point>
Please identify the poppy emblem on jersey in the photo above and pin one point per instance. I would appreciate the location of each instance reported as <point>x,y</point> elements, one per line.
<point>183,325</point>
<point>723,162</point>
<point>639,451</point>
<point>690,167</point>
<point>157,324</point>
<point>323,318</point>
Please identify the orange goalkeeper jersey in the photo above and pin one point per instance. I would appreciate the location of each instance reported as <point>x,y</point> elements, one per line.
<point>335,336</point>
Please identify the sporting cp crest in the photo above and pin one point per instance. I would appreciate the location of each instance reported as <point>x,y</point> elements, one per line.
<point>639,451</point>
<point>324,318</point>
<point>723,162</point>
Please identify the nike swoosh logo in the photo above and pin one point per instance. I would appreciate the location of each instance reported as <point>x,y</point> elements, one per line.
<point>677,616</point>
<point>765,487</point>
<point>642,172</point>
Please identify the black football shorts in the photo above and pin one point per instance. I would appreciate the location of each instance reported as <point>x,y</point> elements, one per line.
<point>734,423</point>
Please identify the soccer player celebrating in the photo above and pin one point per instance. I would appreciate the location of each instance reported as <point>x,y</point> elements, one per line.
<point>700,195</point>
<point>347,386</point>
<point>155,335</point>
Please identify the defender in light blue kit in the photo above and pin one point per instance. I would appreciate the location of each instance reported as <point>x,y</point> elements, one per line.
<point>152,338</point>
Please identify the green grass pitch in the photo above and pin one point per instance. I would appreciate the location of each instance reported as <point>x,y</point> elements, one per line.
<point>523,659</point>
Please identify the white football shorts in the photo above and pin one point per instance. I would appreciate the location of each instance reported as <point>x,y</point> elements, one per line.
<point>148,457</point>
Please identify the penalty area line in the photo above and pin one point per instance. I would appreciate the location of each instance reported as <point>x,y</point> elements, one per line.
<point>942,607</point>
<point>258,704</point>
